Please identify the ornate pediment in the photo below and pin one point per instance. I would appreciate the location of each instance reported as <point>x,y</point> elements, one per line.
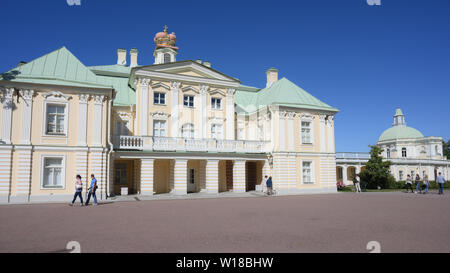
<point>57,95</point>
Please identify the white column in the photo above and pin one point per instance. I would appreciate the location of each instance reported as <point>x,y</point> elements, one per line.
<point>82,118</point>
<point>23,186</point>
<point>291,134</point>
<point>98,111</point>
<point>239,175</point>
<point>282,132</point>
<point>175,109</point>
<point>212,176</point>
<point>144,83</point>
<point>330,134</point>
<point>230,114</point>
<point>27,96</point>
<point>180,176</point>
<point>5,173</point>
<point>292,168</point>
<point>147,165</point>
<point>172,175</point>
<point>344,174</point>
<point>203,109</point>
<point>7,114</point>
<point>322,133</point>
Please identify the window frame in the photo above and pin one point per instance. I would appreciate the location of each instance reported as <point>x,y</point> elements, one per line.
<point>189,97</point>
<point>159,98</point>
<point>404,150</point>
<point>311,131</point>
<point>216,125</point>
<point>311,168</point>
<point>165,127</point>
<point>51,102</point>
<point>191,130</point>
<point>214,105</point>
<point>63,171</point>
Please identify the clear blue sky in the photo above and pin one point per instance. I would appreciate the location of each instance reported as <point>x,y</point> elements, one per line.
<point>364,60</point>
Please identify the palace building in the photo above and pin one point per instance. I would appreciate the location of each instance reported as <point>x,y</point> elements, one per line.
<point>407,149</point>
<point>170,127</point>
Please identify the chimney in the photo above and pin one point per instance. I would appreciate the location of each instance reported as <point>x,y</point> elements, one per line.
<point>121,56</point>
<point>272,76</point>
<point>133,57</point>
<point>207,64</point>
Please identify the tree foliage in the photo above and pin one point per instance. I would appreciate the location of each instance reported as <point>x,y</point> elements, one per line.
<point>446,148</point>
<point>377,172</point>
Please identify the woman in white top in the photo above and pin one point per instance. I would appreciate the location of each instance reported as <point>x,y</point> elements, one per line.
<point>78,190</point>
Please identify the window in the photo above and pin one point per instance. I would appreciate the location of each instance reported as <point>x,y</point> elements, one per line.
<point>403,152</point>
<point>400,175</point>
<point>167,58</point>
<point>216,103</point>
<point>216,131</point>
<point>189,101</point>
<point>412,175</point>
<point>306,132</point>
<point>388,153</point>
<point>307,172</point>
<point>159,128</point>
<point>53,167</point>
<point>159,98</point>
<point>56,119</point>
<point>187,130</point>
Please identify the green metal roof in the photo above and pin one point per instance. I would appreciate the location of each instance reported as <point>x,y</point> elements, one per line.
<point>283,93</point>
<point>398,112</point>
<point>117,76</point>
<point>58,67</point>
<point>399,132</point>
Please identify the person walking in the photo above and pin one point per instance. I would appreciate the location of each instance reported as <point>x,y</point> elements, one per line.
<point>264,183</point>
<point>440,180</point>
<point>425,185</point>
<point>356,183</point>
<point>78,190</point>
<point>92,190</point>
<point>269,186</point>
<point>417,180</point>
<point>408,183</point>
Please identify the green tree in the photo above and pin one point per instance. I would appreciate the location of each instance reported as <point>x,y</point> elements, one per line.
<point>446,148</point>
<point>377,172</point>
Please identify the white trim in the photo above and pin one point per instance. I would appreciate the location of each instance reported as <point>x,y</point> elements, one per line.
<point>160,84</point>
<point>310,119</point>
<point>312,168</point>
<point>63,171</point>
<point>190,88</point>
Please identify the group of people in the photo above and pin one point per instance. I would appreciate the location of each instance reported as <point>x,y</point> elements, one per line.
<point>267,181</point>
<point>423,185</point>
<point>79,189</point>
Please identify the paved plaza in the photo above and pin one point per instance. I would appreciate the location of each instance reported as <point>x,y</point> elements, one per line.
<point>343,222</point>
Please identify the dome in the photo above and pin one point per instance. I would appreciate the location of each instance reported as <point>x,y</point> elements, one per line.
<point>160,35</point>
<point>400,131</point>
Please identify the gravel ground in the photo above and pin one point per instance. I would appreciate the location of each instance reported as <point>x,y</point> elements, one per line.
<point>345,222</point>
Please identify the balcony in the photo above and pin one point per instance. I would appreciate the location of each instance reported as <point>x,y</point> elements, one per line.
<point>171,144</point>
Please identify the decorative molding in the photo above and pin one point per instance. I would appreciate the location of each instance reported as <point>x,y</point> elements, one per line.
<point>27,94</point>
<point>98,99</point>
<point>144,82</point>
<point>159,115</point>
<point>217,91</point>
<point>204,89</point>
<point>230,91</point>
<point>322,118</point>
<point>291,115</point>
<point>57,95</point>
<point>283,114</point>
<point>8,93</point>
<point>83,98</point>
<point>307,116</point>
<point>175,85</point>
<point>160,84</point>
<point>189,88</point>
